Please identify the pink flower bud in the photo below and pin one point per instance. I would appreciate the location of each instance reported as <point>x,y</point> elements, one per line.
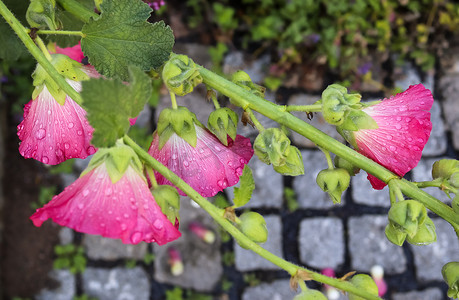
<point>175,261</point>
<point>377,273</point>
<point>203,233</point>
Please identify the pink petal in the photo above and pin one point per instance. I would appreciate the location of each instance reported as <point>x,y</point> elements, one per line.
<point>124,210</point>
<point>208,168</point>
<point>132,121</point>
<point>404,128</point>
<point>52,133</point>
<point>74,52</point>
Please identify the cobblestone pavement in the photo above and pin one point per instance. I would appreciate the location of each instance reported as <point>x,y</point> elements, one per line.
<point>345,237</point>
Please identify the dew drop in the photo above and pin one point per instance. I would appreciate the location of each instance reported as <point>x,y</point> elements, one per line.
<point>222,184</point>
<point>389,137</point>
<point>407,120</point>
<point>66,146</point>
<point>70,125</point>
<point>40,134</point>
<point>398,126</point>
<point>399,118</point>
<point>217,148</point>
<point>158,224</point>
<point>201,150</point>
<point>123,226</point>
<point>79,132</point>
<point>108,192</point>
<point>186,163</point>
<point>392,148</point>
<point>102,224</point>
<point>45,159</point>
<point>126,216</point>
<point>239,171</point>
<point>230,163</point>
<point>110,212</point>
<point>136,237</point>
<point>174,156</point>
<point>85,192</point>
<point>420,140</point>
<point>80,205</point>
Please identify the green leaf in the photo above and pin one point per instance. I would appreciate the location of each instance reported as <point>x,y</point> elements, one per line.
<point>122,36</point>
<point>11,47</point>
<point>110,104</point>
<point>243,194</point>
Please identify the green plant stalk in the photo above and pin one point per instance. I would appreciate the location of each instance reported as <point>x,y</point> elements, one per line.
<point>255,121</point>
<point>329,159</point>
<point>78,10</point>
<point>63,32</point>
<point>305,108</point>
<point>245,99</point>
<point>217,215</point>
<point>23,35</point>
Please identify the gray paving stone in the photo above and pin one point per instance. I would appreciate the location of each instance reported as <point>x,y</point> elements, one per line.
<point>68,179</point>
<point>449,86</point>
<point>143,119</point>
<point>277,290</point>
<point>66,235</point>
<point>427,294</point>
<point>369,246</point>
<point>423,172</point>
<point>116,283</point>
<point>308,193</point>
<point>268,186</point>
<point>66,289</point>
<point>202,262</point>
<point>197,52</point>
<point>98,247</point>
<point>246,260</point>
<point>363,193</point>
<point>407,75</point>
<point>429,259</point>
<point>317,121</point>
<point>436,145</point>
<point>321,242</point>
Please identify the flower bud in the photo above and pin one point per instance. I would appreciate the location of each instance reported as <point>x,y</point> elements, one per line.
<point>293,165</point>
<point>181,74</point>
<point>310,295</point>
<point>444,168</point>
<point>202,232</point>
<point>40,14</point>
<point>455,204</point>
<point>363,282</point>
<point>407,216</point>
<point>344,164</point>
<point>334,182</point>
<point>168,199</point>
<point>180,121</point>
<point>253,225</point>
<point>425,234</point>
<point>335,103</point>
<point>175,261</point>
<point>243,80</point>
<point>377,273</point>
<point>223,123</point>
<point>394,235</point>
<point>450,273</point>
<point>272,146</point>
<point>454,180</point>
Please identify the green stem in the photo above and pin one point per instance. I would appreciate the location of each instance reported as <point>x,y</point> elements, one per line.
<point>78,10</point>
<point>255,120</point>
<point>44,50</point>
<point>64,32</point>
<point>246,99</point>
<point>329,159</point>
<point>305,108</point>
<point>173,100</point>
<point>303,286</point>
<point>217,215</point>
<point>215,100</point>
<point>151,175</point>
<point>23,35</point>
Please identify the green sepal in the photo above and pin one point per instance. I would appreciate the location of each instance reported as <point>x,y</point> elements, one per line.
<point>407,216</point>
<point>243,80</point>
<point>455,204</point>
<point>181,74</point>
<point>180,121</point>
<point>335,102</point>
<point>223,122</point>
<point>357,119</point>
<point>293,165</point>
<point>117,159</point>
<point>272,146</point>
<point>425,235</point>
<point>450,273</point>
<point>243,193</point>
<point>334,182</point>
<point>310,294</point>
<point>41,14</point>
<point>348,136</point>
<point>345,164</point>
<point>363,282</point>
<point>253,225</point>
<point>67,67</point>
<point>444,168</point>
<point>394,235</point>
<point>168,200</point>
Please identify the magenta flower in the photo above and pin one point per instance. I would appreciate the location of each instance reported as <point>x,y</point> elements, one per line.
<point>51,132</point>
<point>403,130</point>
<point>126,209</point>
<point>210,167</point>
<point>74,52</point>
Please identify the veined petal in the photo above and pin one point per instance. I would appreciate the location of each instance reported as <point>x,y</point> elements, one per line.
<point>124,210</point>
<point>210,167</point>
<point>74,52</point>
<point>404,128</point>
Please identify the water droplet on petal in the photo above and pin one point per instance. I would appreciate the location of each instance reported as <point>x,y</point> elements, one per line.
<point>108,192</point>
<point>70,125</point>
<point>126,216</point>
<point>79,132</point>
<point>110,212</point>
<point>398,126</point>
<point>239,171</point>
<point>45,159</point>
<point>399,118</point>
<point>158,224</point>
<point>66,145</point>
<point>123,226</point>
<point>80,205</point>
<point>392,148</point>
<point>85,192</point>
<point>136,237</point>
<point>186,163</point>
<point>40,134</point>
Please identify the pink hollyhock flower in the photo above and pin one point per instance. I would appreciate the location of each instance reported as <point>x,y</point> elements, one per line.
<point>403,130</point>
<point>51,132</point>
<point>210,167</point>
<point>126,209</point>
<point>74,52</point>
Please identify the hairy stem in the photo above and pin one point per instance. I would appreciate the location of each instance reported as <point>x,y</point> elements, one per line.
<point>63,32</point>
<point>305,108</point>
<point>217,215</point>
<point>23,35</point>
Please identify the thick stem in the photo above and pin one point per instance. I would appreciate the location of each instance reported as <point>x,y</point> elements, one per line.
<point>246,99</point>
<point>23,35</point>
<point>173,100</point>
<point>217,215</point>
<point>78,10</point>
<point>305,108</point>
<point>63,32</point>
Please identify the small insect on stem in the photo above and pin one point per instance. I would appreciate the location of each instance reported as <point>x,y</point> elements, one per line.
<point>309,115</point>
<point>33,33</point>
